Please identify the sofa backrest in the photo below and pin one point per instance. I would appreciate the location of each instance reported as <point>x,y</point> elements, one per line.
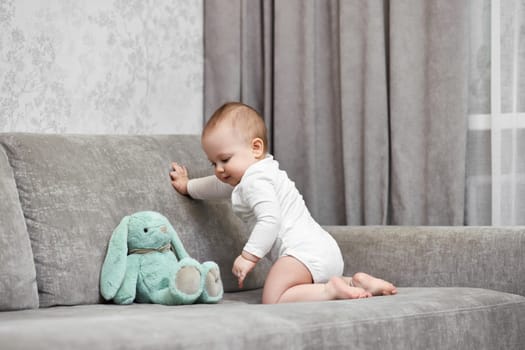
<point>18,288</point>
<point>490,257</point>
<point>75,189</point>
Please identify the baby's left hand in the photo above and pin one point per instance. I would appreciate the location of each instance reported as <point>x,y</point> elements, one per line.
<point>241,268</point>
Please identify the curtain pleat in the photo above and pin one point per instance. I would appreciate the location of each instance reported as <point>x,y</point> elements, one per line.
<point>428,109</point>
<point>365,100</point>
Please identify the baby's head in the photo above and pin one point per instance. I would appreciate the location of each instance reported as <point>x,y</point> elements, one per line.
<point>242,119</point>
<point>233,139</point>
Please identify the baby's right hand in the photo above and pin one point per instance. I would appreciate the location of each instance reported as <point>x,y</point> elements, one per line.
<point>179,178</point>
<point>241,268</point>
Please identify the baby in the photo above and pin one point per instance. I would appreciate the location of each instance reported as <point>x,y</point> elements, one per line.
<point>307,262</point>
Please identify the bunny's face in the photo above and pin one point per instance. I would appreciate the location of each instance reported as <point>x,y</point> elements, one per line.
<point>148,230</point>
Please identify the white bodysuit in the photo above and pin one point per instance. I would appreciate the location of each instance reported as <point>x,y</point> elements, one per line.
<point>277,217</point>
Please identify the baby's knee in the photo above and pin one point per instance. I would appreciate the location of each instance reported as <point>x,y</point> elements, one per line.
<point>270,299</point>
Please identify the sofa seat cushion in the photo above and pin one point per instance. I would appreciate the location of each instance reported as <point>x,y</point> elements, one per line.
<point>18,289</point>
<point>416,318</point>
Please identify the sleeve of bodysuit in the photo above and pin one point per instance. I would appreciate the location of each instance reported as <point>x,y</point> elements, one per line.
<point>209,187</point>
<point>262,200</point>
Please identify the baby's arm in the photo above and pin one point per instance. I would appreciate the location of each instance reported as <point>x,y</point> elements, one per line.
<point>208,187</point>
<point>263,202</point>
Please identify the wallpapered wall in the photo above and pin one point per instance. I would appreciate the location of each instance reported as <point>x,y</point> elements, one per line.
<point>101,66</point>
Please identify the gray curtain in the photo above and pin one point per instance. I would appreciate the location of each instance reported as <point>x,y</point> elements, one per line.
<point>366,100</point>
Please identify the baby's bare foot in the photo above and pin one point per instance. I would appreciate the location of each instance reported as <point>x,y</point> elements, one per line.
<point>375,286</point>
<point>337,288</point>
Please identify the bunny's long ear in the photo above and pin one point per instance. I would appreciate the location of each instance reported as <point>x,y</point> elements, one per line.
<point>176,243</point>
<point>114,267</point>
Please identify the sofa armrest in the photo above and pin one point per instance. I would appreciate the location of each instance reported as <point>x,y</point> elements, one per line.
<point>429,256</point>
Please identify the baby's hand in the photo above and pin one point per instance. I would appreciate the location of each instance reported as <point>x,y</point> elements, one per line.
<point>242,267</point>
<point>179,178</point>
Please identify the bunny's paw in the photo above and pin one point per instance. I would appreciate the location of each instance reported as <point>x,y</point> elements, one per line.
<point>186,284</point>
<point>212,289</point>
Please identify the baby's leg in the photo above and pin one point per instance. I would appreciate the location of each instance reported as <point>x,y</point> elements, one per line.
<point>290,281</point>
<point>375,286</point>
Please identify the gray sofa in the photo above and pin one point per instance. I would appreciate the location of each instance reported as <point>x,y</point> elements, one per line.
<point>62,195</point>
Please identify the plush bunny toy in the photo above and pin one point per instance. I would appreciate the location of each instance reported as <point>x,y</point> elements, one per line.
<point>147,263</point>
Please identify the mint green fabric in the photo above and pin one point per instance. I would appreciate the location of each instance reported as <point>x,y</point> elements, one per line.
<point>18,289</point>
<point>153,274</point>
<point>75,189</point>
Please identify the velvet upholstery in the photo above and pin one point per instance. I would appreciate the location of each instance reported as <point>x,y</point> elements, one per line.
<point>18,289</point>
<point>417,318</point>
<point>75,189</point>
<point>459,287</point>
<point>423,256</point>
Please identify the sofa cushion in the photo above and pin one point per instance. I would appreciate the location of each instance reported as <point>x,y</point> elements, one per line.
<point>18,289</point>
<point>75,189</point>
<point>416,318</point>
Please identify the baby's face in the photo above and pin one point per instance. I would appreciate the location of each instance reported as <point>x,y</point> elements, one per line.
<point>229,153</point>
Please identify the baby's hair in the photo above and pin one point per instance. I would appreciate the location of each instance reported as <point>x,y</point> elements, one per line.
<point>242,118</point>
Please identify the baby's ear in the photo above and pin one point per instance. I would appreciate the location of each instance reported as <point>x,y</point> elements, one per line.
<point>258,147</point>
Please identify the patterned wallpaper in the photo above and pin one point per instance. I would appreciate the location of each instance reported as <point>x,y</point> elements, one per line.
<point>101,66</point>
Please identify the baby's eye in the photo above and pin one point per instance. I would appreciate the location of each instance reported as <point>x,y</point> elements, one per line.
<point>225,160</point>
<point>212,164</point>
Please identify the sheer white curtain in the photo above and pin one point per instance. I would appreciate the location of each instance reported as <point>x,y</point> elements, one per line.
<point>496,140</point>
